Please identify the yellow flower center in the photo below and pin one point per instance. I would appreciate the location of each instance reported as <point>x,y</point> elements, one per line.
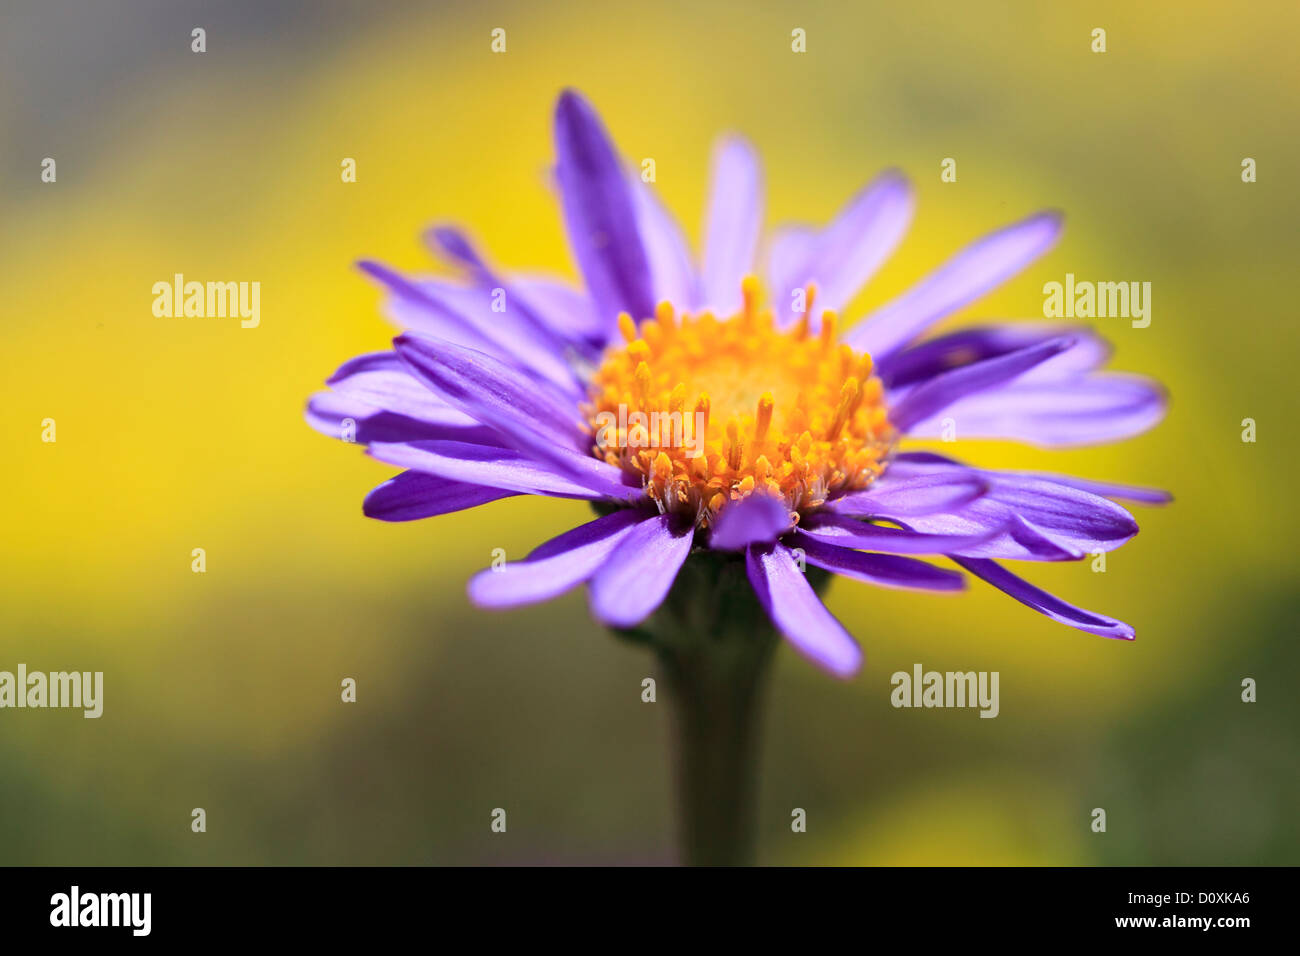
<point>708,412</point>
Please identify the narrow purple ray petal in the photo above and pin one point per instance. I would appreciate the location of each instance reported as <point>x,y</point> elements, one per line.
<point>483,465</point>
<point>556,566</point>
<point>885,570</point>
<point>1107,489</point>
<point>907,495</point>
<point>798,613</point>
<point>851,533</point>
<point>1032,519</point>
<point>755,519</point>
<point>636,576</point>
<point>1043,602</point>
<point>976,270</point>
<point>519,327</point>
<point>454,245</point>
<point>1086,410</point>
<point>671,269</point>
<point>493,393</point>
<point>789,250</point>
<point>733,225</point>
<point>413,495</point>
<point>383,381</point>
<point>915,464</point>
<point>344,417</point>
<point>529,419</point>
<point>928,359</point>
<point>943,390</point>
<point>475,317</point>
<point>856,244</point>
<point>1043,546</point>
<point>599,213</point>
<point>565,309</point>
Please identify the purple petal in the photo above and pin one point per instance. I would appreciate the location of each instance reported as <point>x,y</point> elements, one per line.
<point>798,613</point>
<point>914,464</point>
<point>733,225</point>
<point>845,255</point>
<point>599,213</point>
<point>751,520</point>
<point>485,465</point>
<point>556,566</point>
<point>382,380</point>
<point>493,393</point>
<point>636,577</point>
<point>938,393</point>
<point>976,270</point>
<point>789,251</point>
<point>851,533</point>
<point>528,418</point>
<point>565,309</point>
<point>671,269</point>
<point>1109,489</point>
<point>912,495</point>
<point>928,359</point>
<point>1082,411</point>
<point>1031,519</point>
<point>520,328</point>
<point>885,570</point>
<point>329,413</point>
<point>1043,602</point>
<point>387,403</point>
<point>465,315</point>
<point>412,495</point>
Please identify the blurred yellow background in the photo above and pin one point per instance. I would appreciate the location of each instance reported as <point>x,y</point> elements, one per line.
<point>222,689</point>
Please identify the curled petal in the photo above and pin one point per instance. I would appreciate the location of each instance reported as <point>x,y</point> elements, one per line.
<point>555,566</point>
<point>758,518</point>
<point>936,394</point>
<point>638,574</point>
<point>798,613</point>
<point>413,495</point>
<point>883,570</point>
<point>1044,603</point>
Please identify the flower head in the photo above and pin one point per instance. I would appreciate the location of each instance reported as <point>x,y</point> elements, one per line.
<point>697,416</point>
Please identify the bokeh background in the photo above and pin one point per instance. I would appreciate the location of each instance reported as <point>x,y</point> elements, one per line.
<point>222,689</point>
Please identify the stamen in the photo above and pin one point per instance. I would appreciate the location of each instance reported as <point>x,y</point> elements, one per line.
<point>829,319</point>
<point>774,388</point>
<point>763,421</point>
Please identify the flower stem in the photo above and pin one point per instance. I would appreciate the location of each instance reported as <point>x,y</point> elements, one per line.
<point>715,645</point>
<point>716,698</point>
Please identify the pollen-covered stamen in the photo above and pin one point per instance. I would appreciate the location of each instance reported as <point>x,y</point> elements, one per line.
<point>708,411</point>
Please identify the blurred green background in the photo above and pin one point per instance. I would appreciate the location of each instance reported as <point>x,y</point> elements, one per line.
<point>222,689</point>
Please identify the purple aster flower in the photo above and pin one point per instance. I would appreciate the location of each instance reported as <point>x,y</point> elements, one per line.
<point>738,455</point>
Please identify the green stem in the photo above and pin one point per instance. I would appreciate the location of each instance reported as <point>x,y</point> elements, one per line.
<point>715,644</point>
<point>716,697</point>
